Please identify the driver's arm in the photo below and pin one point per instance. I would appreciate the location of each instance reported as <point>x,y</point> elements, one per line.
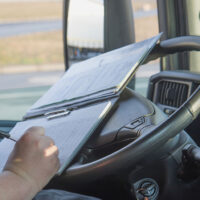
<point>31,165</point>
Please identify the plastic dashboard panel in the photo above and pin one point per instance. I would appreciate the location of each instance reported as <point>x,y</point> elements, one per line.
<point>191,82</point>
<point>190,79</point>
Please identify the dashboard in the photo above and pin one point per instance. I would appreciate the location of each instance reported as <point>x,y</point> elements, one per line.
<point>170,89</point>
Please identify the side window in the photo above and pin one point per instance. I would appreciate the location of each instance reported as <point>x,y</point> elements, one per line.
<point>31,53</point>
<point>146,26</point>
<point>85,32</point>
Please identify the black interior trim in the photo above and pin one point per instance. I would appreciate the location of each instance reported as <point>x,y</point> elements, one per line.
<point>175,45</point>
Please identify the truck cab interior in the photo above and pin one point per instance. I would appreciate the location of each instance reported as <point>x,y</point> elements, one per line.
<point>148,146</point>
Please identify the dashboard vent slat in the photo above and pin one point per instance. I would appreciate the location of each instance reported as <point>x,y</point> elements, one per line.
<point>172,93</point>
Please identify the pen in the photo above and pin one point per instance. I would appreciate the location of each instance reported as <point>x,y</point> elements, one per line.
<point>6,135</point>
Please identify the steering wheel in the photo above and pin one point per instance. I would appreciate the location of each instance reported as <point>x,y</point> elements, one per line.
<point>152,138</point>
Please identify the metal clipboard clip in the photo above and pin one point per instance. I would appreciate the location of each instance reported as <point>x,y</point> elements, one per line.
<point>56,114</point>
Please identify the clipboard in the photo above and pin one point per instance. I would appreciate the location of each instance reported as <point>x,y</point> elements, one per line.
<point>74,107</point>
<point>97,78</point>
<point>70,131</point>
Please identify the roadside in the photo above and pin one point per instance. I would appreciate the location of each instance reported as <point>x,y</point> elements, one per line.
<point>29,80</point>
<point>41,45</point>
<point>33,49</point>
<point>17,69</point>
<point>48,75</point>
<point>19,91</point>
<point>14,11</point>
<point>25,28</point>
<point>32,60</point>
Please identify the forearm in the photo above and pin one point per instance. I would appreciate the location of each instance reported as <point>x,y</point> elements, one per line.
<point>13,187</point>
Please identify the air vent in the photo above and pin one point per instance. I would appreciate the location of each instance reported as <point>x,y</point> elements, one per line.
<point>172,94</point>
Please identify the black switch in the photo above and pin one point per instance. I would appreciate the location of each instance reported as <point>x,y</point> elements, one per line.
<point>135,123</point>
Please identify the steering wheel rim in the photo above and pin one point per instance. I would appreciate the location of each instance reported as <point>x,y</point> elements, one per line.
<point>149,140</point>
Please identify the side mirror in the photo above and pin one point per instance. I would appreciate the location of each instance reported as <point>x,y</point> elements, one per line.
<point>85,31</point>
<point>92,27</point>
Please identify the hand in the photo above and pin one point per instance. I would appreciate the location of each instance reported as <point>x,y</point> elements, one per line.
<point>34,158</point>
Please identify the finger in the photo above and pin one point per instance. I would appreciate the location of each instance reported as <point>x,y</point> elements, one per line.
<point>37,130</point>
<point>50,151</point>
<point>57,165</point>
<point>32,134</point>
<point>47,141</point>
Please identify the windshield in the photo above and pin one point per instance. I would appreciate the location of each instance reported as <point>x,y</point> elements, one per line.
<point>31,56</point>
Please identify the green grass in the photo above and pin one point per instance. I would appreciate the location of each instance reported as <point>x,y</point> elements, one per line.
<point>34,49</point>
